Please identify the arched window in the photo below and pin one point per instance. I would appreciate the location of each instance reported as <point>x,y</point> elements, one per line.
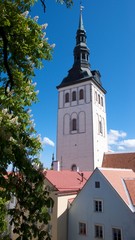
<point>73,96</point>
<point>95,96</point>
<point>100,127</point>
<point>98,98</point>
<point>66,124</point>
<point>74,168</point>
<point>74,124</point>
<point>66,97</point>
<point>101,101</point>
<point>81,94</point>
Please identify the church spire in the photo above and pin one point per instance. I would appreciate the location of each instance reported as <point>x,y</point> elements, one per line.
<point>81,66</point>
<point>81,51</point>
<point>81,27</point>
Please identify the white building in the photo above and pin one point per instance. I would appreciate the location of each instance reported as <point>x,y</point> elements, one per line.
<point>63,186</point>
<point>81,131</point>
<point>105,207</point>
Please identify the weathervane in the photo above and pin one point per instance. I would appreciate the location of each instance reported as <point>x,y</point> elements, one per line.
<point>81,7</point>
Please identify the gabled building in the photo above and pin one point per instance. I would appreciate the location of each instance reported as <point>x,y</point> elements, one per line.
<point>81,131</point>
<point>105,207</point>
<point>63,187</point>
<point>119,160</point>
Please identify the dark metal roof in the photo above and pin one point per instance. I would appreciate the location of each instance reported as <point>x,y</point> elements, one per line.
<point>80,70</point>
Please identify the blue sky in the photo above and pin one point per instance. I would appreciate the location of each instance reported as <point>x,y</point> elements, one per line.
<point>110,28</point>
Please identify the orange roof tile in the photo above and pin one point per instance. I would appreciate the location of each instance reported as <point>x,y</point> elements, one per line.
<point>130,184</point>
<point>66,180</point>
<point>119,160</point>
<point>116,178</point>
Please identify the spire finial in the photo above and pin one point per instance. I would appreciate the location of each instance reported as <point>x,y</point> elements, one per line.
<point>81,27</point>
<point>81,7</point>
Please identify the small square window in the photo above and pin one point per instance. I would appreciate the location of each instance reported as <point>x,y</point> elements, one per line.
<point>97,184</point>
<point>82,228</point>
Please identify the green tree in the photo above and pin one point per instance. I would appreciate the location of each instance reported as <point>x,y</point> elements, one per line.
<point>3,215</point>
<point>22,49</point>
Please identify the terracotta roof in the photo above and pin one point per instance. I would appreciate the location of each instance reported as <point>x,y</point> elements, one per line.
<point>66,180</point>
<point>130,184</point>
<point>119,160</point>
<point>117,177</point>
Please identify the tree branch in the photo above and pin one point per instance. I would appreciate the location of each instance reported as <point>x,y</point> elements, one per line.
<point>5,53</point>
<point>43,4</point>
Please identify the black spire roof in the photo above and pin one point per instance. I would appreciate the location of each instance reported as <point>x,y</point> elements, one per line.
<point>80,70</point>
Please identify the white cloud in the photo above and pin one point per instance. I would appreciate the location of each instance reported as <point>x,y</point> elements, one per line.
<point>47,141</point>
<point>117,141</point>
<point>129,143</point>
<point>121,148</point>
<point>114,135</point>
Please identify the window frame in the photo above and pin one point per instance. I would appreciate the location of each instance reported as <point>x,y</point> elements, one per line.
<point>67,97</point>
<point>98,206</point>
<point>97,184</point>
<point>99,98</point>
<point>82,228</point>
<point>117,232</point>
<point>102,104</point>
<point>99,231</point>
<point>81,94</point>
<point>74,124</point>
<point>100,127</point>
<point>74,98</point>
<point>74,168</point>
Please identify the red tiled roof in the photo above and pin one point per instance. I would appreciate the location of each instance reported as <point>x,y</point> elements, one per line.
<point>117,177</point>
<point>66,180</point>
<point>119,160</point>
<point>130,184</point>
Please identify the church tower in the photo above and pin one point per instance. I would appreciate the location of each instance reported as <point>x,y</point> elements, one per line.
<point>81,127</point>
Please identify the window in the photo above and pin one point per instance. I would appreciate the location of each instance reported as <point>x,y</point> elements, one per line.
<point>81,94</point>
<point>83,55</point>
<point>101,101</point>
<point>97,184</point>
<point>116,233</point>
<point>98,98</point>
<point>95,96</point>
<point>66,97</point>
<point>82,228</point>
<point>100,127</point>
<point>98,206</point>
<point>73,96</point>
<point>74,127</point>
<point>98,231</point>
<point>74,168</point>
